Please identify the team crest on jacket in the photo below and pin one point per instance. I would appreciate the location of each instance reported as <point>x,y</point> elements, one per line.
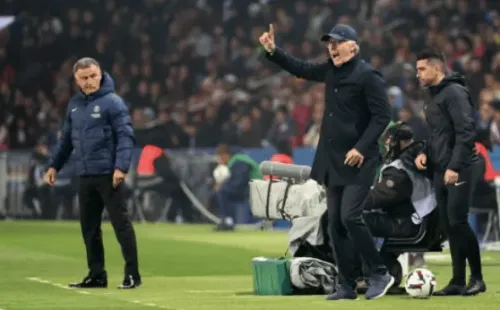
<point>96,113</point>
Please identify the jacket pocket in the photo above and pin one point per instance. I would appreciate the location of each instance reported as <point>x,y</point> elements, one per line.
<point>441,156</point>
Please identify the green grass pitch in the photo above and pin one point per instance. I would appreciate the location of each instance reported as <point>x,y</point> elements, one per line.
<point>183,267</point>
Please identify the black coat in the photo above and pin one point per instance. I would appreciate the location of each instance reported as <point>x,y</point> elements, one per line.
<point>356,113</point>
<point>392,193</point>
<point>452,127</point>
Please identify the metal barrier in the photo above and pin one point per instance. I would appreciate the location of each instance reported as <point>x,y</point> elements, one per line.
<point>3,183</point>
<point>195,169</point>
<point>14,174</point>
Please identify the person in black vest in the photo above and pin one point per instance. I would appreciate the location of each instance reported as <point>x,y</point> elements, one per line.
<point>356,113</point>
<point>451,154</point>
<point>403,193</point>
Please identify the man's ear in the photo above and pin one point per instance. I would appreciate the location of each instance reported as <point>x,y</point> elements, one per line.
<point>353,46</point>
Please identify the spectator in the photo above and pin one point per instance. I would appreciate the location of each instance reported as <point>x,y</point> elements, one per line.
<point>418,126</point>
<point>485,116</point>
<point>495,124</point>
<point>248,132</point>
<point>282,128</point>
<point>4,142</point>
<point>312,136</point>
<point>196,58</point>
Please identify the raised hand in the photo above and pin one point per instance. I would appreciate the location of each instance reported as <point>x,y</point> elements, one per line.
<point>267,39</point>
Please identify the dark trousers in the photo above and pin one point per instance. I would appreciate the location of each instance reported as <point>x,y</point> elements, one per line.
<point>44,196</point>
<point>181,205</point>
<point>453,203</point>
<point>383,225</point>
<point>238,209</point>
<point>95,192</point>
<point>349,234</point>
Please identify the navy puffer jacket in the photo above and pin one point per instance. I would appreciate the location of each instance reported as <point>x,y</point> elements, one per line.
<point>98,131</point>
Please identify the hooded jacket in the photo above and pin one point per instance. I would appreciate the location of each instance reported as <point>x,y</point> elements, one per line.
<point>450,116</point>
<point>98,131</point>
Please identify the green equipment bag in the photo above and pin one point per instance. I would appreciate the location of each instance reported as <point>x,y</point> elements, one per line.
<point>271,276</point>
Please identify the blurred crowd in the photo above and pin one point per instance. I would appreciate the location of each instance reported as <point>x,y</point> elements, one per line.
<point>193,73</point>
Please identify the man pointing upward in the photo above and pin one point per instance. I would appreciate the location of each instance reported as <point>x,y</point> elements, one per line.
<point>356,114</point>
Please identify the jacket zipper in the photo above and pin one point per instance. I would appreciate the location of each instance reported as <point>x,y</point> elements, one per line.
<point>82,134</point>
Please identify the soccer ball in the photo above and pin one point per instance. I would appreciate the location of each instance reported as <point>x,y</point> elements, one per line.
<point>420,283</point>
<point>221,174</point>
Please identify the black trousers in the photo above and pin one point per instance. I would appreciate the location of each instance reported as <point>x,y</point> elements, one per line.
<point>95,192</point>
<point>383,225</point>
<point>453,203</point>
<point>349,234</point>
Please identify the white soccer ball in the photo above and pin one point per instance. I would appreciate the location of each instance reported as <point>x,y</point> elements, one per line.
<point>221,174</point>
<point>420,283</point>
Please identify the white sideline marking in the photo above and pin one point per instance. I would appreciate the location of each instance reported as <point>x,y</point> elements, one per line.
<point>447,257</point>
<point>210,291</point>
<point>43,281</point>
<point>81,292</point>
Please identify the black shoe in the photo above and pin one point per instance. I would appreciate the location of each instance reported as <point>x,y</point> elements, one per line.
<point>130,282</point>
<point>91,282</point>
<point>474,287</point>
<point>450,290</point>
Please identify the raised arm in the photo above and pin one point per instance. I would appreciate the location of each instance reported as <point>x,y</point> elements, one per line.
<point>300,68</point>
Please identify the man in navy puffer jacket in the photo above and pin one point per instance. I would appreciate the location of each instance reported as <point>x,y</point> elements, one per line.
<point>98,132</point>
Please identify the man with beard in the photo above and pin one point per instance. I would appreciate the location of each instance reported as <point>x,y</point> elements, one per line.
<point>452,156</point>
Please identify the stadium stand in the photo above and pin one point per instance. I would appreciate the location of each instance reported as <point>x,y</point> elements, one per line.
<point>194,69</point>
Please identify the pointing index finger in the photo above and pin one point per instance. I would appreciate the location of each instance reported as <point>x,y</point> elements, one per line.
<point>271,30</point>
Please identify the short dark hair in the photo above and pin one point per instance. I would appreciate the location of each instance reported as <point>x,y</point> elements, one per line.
<point>284,147</point>
<point>84,63</point>
<point>282,109</point>
<point>431,54</point>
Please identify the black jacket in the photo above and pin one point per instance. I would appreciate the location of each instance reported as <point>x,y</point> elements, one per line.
<point>392,193</point>
<point>450,116</point>
<point>356,113</point>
